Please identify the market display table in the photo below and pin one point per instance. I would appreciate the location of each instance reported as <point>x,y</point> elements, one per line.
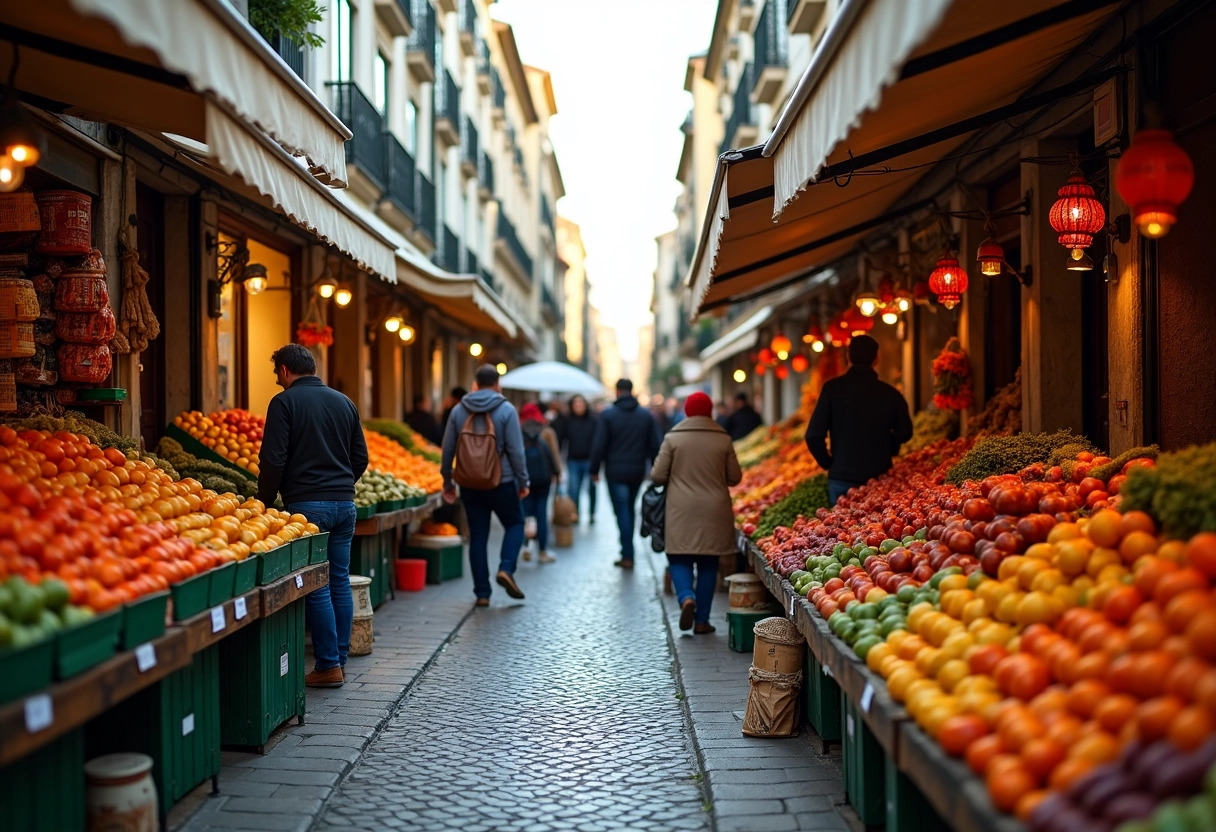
<point>377,541</point>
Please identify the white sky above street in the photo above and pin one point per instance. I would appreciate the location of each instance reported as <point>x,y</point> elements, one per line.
<point>618,77</point>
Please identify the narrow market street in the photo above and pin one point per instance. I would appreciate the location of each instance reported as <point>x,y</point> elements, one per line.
<point>564,711</point>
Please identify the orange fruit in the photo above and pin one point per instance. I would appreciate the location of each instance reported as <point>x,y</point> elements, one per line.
<point>957,733</point>
<point>1135,545</point>
<point>1009,785</point>
<point>981,751</point>
<point>1121,603</point>
<point>1154,717</point>
<point>1040,755</point>
<point>1105,527</point>
<point>1096,746</point>
<point>1192,725</point>
<point>1065,730</point>
<point>1201,634</point>
<point>1176,583</point>
<point>1084,696</point>
<point>1185,676</point>
<point>1137,521</point>
<point>1146,635</point>
<point>1028,803</point>
<point>1069,771</point>
<point>1115,711</point>
<point>1184,607</point>
<point>1201,553</point>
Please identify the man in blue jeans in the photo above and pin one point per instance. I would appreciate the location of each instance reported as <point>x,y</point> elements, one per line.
<point>626,441</point>
<point>503,500</point>
<point>313,451</point>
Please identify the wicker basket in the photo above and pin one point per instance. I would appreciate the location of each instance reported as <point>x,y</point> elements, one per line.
<point>8,387</point>
<point>81,291</point>
<point>18,300</point>
<point>16,340</point>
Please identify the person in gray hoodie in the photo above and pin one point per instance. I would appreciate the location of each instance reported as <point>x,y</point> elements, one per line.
<point>503,501</point>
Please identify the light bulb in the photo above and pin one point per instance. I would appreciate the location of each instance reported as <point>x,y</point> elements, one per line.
<point>393,323</point>
<point>475,350</point>
<point>326,289</point>
<point>406,334</point>
<point>818,346</point>
<point>890,317</point>
<point>1077,253</point>
<point>1154,224</point>
<point>502,368</point>
<point>740,376</point>
<point>255,285</point>
<point>343,297</point>
<point>1082,264</point>
<point>782,355</point>
<point>12,174</point>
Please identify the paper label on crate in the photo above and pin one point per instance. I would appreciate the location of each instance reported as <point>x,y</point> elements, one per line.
<point>239,610</point>
<point>39,713</point>
<point>188,725</point>
<point>791,606</point>
<point>283,665</point>
<point>218,621</point>
<point>848,722</point>
<point>867,696</point>
<point>145,657</point>
<point>371,573</point>
<point>300,580</point>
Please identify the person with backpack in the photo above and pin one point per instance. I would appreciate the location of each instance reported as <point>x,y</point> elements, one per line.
<point>544,468</point>
<point>483,453</point>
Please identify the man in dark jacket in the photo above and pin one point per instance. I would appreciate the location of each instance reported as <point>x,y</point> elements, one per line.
<point>313,451</point>
<point>422,421</point>
<point>626,440</point>
<point>743,419</point>
<point>867,419</point>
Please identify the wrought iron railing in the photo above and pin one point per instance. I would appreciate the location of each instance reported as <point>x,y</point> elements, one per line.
<point>772,43</point>
<point>506,233</point>
<point>365,148</point>
<point>291,52</point>
<point>485,173</point>
<point>468,16</point>
<point>497,91</point>
<point>470,262</point>
<point>741,110</point>
<point>423,35</point>
<point>447,100</point>
<point>468,142</point>
<point>546,215</point>
<point>448,253</point>
<point>426,206</point>
<point>402,189</point>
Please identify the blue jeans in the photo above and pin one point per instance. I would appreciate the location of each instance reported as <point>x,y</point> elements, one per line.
<point>479,504</point>
<point>536,504</point>
<point>838,488</point>
<point>580,472</point>
<point>624,497</point>
<point>680,567</point>
<point>330,610</point>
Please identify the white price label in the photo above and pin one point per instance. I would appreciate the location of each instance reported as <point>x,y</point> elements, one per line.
<point>848,721</point>
<point>283,665</point>
<point>867,697</point>
<point>39,713</point>
<point>791,606</point>
<point>371,573</point>
<point>300,580</point>
<point>218,621</point>
<point>239,610</point>
<point>187,725</point>
<point>145,657</point>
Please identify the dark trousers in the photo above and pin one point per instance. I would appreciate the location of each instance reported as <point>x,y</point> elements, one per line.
<point>479,505</point>
<point>681,569</point>
<point>624,497</point>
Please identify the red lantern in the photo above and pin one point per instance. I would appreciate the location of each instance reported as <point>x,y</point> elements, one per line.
<point>782,372</point>
<point>857,322</point>
<point>838,330</point>
<point>949,281</point>
<point>813,335</point>
<point>780,344</point>
<point>766,356</point>
<point>799,363</point>
<point>1077,215</point>
<point>761,369</point>
<point>991,257</point>
<point>1154,177</point>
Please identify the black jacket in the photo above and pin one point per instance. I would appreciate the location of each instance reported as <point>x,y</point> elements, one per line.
<point>868,421</point>
<point>626,438</point>
<point>742,422</point>
<point>313,447</point>
<point>577,436</point>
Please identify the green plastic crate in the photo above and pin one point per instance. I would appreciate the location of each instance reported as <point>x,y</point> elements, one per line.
<point>223,579</point>
<point>364,512</point>
<point>87,644</point>
<point>26,670</point>
<point>443,563</point>
<point>372,557</point>
<point>865,765</point>
<point>274,564</point>
<point>246,576</point>
<point>319,548</point>
<point>44,792</point>
<point>822,700</point>
<point>143,620</point>
<point>190,596</point>
<point>299,553</point>
<point>740,636</point>
<point>414,502</point>
<point>907,809</point>
<point>263,670</point>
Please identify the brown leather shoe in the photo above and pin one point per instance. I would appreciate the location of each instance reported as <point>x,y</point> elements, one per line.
<point>704,629</point>
<point>687,610</point>
<point>482,602</point>
<point>624,563</point>
<point>332,678</point>
<point>507,581</point>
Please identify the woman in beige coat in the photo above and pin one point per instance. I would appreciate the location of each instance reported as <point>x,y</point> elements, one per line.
<point>698,465</point>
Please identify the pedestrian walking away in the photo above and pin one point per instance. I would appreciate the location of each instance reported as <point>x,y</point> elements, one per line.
<point>697,464</point>
<point>422,420</point>
<point>544,468</point>
<point>743,419</point>
<point>453,398</point>
<point>577,437</point>
<point>483,452</point>
<point>626,441</point>
<point>866,418</point>
<point>313,452</point>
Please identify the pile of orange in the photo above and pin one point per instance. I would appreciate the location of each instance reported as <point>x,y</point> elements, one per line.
<point>386,455</point>
<point>222,438</point>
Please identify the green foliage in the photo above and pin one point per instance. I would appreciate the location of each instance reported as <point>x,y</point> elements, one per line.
<point>219,478</point>
<point>289,18</point>
<point>1010,454</point>
<point>1180,492</point>
<point>807,497</point>
<point>1107,470</point>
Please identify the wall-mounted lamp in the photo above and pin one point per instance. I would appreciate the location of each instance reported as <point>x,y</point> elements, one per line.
<point>475,350</point>
<point>255,279</point>
<point>406,333</point>
<point>393,323</point>
<point>343,296</point>
<point>233,266</point>
<point>326,285</point>
<point>740,376</point>
<point>21,143</point>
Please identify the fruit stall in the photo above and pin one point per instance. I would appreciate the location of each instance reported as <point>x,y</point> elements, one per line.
<point>1010,630</point>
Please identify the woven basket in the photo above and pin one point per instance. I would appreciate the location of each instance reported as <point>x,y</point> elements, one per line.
<point>8,387</point>
<point>18,300</point>
<point>16,340</point>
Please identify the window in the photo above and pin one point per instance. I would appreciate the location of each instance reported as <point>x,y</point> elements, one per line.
<point>380,82</point>
<point>411,126</point>
<point>340,41</point>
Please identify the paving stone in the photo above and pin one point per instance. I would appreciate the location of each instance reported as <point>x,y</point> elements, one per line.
<point>763,823</point>
<point>822,822</point>
<point>276,805</point>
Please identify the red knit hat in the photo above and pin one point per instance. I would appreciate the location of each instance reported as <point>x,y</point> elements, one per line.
<point>698,404</point>
<point>531,412</point>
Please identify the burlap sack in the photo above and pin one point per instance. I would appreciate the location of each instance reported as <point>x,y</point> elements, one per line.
<point>772,704</point>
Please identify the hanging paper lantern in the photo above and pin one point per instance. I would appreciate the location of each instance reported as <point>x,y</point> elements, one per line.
<point>782,372</point>
<point>949,281</point>
<point>1154,177</point>
<point>761,369</point>
<point>886,289</point>
<point>857,323</point>
<point>766,356</point>
<point>799,363</point>
<point>780,344</point>
<point>890,314</point>
<point>991,257</point>
<point>1077,215</point>
<point>839,332</point>
<point>813,336</point>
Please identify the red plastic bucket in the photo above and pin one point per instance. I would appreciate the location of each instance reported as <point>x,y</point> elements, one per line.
<point>411,574</point>
<point>67,222</point>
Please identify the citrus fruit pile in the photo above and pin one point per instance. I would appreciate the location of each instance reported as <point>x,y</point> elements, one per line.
<point>236,435</point>
<point>388,456</point>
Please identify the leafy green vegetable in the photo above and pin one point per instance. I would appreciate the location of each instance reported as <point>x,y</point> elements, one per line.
<point>806,498</point>
<point>1107,470</point>
<point>1180,492</point>
<point>1010,454</point>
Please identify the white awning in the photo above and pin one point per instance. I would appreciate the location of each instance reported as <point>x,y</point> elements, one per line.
<point>463,297</point>
<point>737,339</point>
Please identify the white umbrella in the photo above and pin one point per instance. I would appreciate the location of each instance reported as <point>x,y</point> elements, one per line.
<point>552,377</point>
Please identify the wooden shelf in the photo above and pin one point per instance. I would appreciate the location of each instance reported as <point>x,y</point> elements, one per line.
<point>283,592</point>
<point>378,523</point>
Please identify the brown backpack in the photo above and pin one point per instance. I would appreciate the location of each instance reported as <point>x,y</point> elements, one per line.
<point>478,464</point>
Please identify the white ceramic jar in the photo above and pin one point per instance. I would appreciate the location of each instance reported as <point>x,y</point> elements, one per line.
<point>121,796</point>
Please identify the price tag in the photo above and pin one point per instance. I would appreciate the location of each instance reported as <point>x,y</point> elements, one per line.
<point>867,697</point>
<point>848,721</point>
<point>188,725</point>
<point>791,606</point>
<point>239,610</point>
<point>283,665</point>
<point>145,657</point>
<point>371,573</point>
<point>39,713</point>
<point>218,622</point>
<point>300,580</point>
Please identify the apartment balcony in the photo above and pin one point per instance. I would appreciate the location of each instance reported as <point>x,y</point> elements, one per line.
<point>471,265</point>
<point>447,255</point>
<point>485,177</point>
<point>772,52</point>
<point>365,149</point>
<point>498,95</point>
<point>741,128</point>
<point>483,66</point>
<point>396,16</point>
<point>469,149</point>
<point>447,110</point>
<point>468,28</point>
<point>489,279</point>
<point>546,216</point>
<point>747,14</point>
<point>420,48</point>
<point>426,207</point>
<point>509,241</point>
<point>291,52</point>
<point>548,306</point>
<point>402,189</point>
<point>805,15</point>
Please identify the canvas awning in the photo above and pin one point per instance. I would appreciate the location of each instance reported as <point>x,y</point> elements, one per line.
<point>893,88</point>
<point>737,339</point>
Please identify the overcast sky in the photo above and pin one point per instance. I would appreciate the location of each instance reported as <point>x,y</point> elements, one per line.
<point>618,76</point>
